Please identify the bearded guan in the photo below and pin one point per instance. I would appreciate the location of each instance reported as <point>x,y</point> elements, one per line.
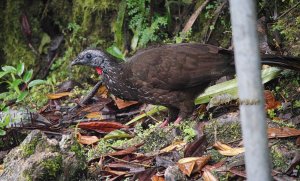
<point>169,75</point>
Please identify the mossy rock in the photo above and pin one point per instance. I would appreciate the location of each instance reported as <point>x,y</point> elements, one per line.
<point>40,158</point>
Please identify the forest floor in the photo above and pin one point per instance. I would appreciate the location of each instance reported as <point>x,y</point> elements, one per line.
<point>209,144</point>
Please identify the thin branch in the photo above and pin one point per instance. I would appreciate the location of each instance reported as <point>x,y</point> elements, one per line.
<point>88,97</point>
<point>194,16</point>
<point>287,11</point>
<point>214,21</point>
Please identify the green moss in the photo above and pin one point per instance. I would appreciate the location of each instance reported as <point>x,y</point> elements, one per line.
<point>289,27</point>
<point>76,148</point>
<point>282,123</point>
<point>155,139</point>
<point>225,132</point>
<point>29,148</point>
<point>215,155</point>
<point>16,47</point>
<point>278,159</point>
<point>52,166</point>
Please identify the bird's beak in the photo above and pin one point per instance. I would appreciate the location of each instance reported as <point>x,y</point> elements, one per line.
<point>76,61</point>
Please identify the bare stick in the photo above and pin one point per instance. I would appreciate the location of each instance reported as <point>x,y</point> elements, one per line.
<point>194,16</point>
<point>88,97</point>
<point>216,17</point>
<point>287,11</point>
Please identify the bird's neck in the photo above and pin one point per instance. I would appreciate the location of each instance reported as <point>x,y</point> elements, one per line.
<point>110,66</point>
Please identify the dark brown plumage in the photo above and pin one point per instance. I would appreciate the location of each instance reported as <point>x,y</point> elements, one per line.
<point>169,75</point>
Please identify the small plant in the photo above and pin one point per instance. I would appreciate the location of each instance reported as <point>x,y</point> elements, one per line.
<point>145,29</point>
<point>17,78</point>
<point>3,123</point>
<point>19,82</point>
<point>271,113</point>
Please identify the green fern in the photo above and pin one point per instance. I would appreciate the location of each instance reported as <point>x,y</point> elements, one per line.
<point>145,29</point>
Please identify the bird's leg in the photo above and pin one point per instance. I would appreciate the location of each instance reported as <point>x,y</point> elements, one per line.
<point>164,124</point>
<point>172,115</point>
<point>178,120</point>
<point>186,109</point>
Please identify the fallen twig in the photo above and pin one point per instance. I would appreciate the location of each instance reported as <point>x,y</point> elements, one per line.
<point>88,97</point>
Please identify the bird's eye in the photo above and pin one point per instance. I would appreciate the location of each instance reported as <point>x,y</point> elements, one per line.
<point>88,56</point>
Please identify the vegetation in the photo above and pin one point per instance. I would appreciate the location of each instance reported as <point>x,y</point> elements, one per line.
<point>19,83</point>
<point>122,27</point>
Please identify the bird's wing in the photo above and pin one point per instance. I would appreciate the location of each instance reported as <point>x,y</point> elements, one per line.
<point>179,66</point>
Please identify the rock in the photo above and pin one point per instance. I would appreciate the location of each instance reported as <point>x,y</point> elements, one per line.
<point>173,173</point>
<point>40,158</point>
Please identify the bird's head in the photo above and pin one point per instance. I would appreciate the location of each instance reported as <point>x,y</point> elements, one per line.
<point>93,58</point>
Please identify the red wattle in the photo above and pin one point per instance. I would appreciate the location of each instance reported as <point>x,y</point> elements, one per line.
<point>99,70</point>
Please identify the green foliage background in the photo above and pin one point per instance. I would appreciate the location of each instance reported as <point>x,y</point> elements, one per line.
<point>126,24</point>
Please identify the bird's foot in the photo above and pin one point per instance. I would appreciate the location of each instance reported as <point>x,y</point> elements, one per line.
<point>164,124</point>
<point>178,120</point>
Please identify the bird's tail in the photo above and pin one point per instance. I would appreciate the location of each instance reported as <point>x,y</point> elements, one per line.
<point>282,61</point>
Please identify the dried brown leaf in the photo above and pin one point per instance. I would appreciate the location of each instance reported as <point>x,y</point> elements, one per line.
<point>227,150</point>
<point>121,104</point>
<point>58,95</point>
<point>96,115</point>
<point>115,172</point>
<point>208,176</point>
<point>271,103</point>
<point>157,178</point>
<point>176,144</point>
<point>190,165</point>
<point>124,152</point>
<point>96,107</point>
<point>102,92</point>
<point>196,148</point>
<point>282,132</point>
<point>1,169</point>
<point>87,140</point>
<point>126,166</point>
<point>102,127</point>
<point>145,175</point>
<point>238,172</point>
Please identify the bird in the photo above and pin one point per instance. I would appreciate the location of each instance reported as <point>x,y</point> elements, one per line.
<point>171,75</point>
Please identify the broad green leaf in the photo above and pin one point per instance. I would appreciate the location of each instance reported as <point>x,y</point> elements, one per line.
<point>27,76</point>
<point>6,120</point>
<point>22,96</point>
<point>2,132</point>
<point>117,134</point>
<point>2,74</point>
<point>116,52</point>
<point>230,87</point>
<point>134,40</point>
<point>16,83</point>
<point>20,68</point>
<point>9,69</point>
<point>11,96</point>
<point>3,107</point>
<point>36,82</point>
<point>3,95</point>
